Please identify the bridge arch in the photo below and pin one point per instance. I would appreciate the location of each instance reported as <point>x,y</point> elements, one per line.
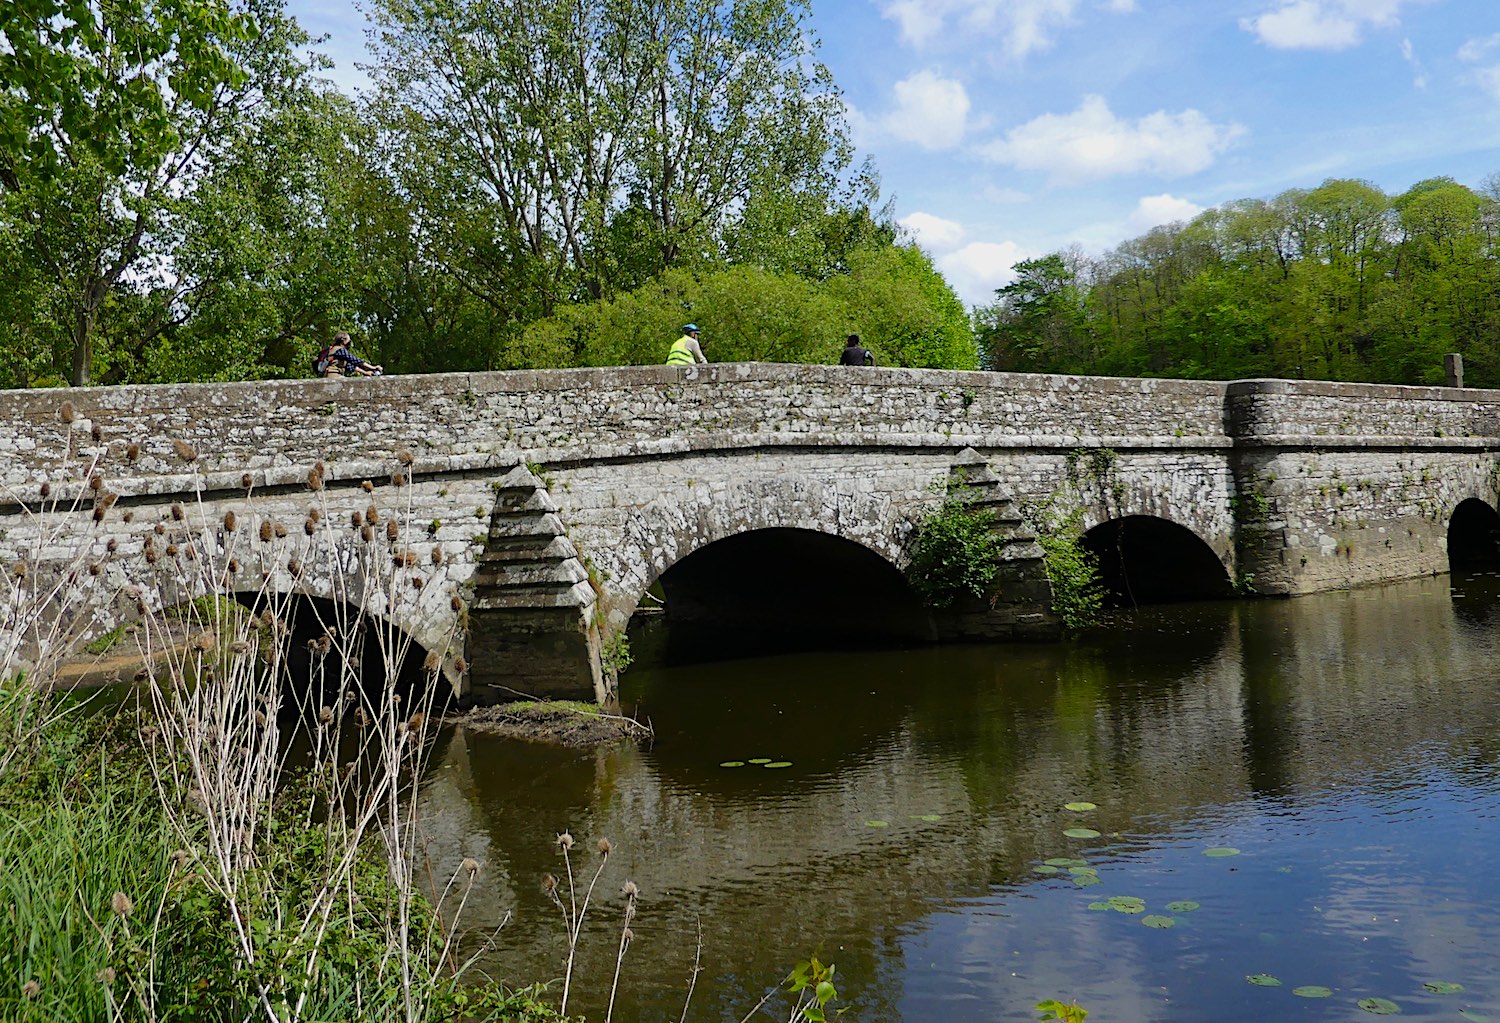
<point>1473,536</point>
<point>1144,559</point>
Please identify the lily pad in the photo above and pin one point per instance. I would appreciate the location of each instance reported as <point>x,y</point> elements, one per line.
<point>1217,851</point>
<point>1085,880</point>
<point>1067,861</point>
<point>1127,904</point>
<point>1100,907</point>
<point>758,760</point>
<point>733,763</point>
<point>1263,980</point>
<point>1182,906</point>
<point>1046,868</point>
<point>1081,833</point>
<point>779,763</point>
<point>877,824</point>
<point>928,817</point>
<point>1380,1006</point>
<point>1474,1015</point>
<point>1313,991</point>
<point>1080,807</point>
<point>1443,987</point>
<point>1158,921</point>
<point>1078,871</point>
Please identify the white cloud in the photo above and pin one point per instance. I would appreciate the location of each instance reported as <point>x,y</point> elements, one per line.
<point>1025,25</point>
<point>933,233</point>
<point>933,112</point>
<point>1321,24</point>
<point>1475,49</point>
<point>1155,210</point>
<point>977,269</point>
<point>1120,6</point>
<point>1419,73</point>
<point>1093,143</point>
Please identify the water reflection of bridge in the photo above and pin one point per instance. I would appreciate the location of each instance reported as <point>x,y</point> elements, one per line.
<point>1188,717</point>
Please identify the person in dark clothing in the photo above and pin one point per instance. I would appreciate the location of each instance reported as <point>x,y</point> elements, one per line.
<point>855,354</point>
<point>337,360</point>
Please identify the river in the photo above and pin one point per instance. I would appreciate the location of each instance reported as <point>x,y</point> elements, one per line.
<point>1320,776</point>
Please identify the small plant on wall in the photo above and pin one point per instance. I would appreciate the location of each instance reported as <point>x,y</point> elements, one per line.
<point>955,552</point>
<point>1073,571</point>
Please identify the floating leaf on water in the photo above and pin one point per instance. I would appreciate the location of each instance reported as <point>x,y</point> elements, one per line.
<point>1080,871</point>
<point>1443,987</point>
<point>733,763</point>
<point>1084,880</point>
<point>759,760</point>
<point>1046,868</point>
<point>1067,861</point>
<point>1099,907</point>
<point>1222,850</point>
<point>1081,833</point>
<point>1313,991</point>
<point>1157,921</point>
<point>1474,1015</point>
<point>877,824</point>
<point>1380,1006</point>
<point>1263,980</point>
<point>1182,906</point>
<point>928,817</point>
<point>779,763</point>
<point>1127,904</point>
<point>1080,807</point>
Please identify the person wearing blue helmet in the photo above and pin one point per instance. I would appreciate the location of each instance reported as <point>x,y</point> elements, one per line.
<point>685,350</point>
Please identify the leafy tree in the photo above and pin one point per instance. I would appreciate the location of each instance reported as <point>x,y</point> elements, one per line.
<point>1037,323</point>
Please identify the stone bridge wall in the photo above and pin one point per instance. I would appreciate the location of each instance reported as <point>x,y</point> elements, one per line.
<point>1304,486</point>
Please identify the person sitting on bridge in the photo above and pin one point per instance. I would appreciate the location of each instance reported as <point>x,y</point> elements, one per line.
<point>855,354</point>
<point>337,360</point>
<point>685,350</point>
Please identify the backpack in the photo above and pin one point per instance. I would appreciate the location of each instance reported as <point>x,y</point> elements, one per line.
<point>320,361</point>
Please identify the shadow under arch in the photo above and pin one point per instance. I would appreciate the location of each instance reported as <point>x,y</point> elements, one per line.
<point>386,655</point>
<point>1473,537</point>
<point>1148,560</point>
<point>777,590</point>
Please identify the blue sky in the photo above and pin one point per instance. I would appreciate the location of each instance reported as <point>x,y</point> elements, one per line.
<point>1007,129</point>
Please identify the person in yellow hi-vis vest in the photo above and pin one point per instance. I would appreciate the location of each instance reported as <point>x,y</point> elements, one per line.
<point>685,350</point>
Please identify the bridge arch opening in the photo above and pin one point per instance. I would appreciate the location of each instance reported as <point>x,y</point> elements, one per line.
<point>1473,537</point>
<point>1147,560</point>
<point>774,591</point>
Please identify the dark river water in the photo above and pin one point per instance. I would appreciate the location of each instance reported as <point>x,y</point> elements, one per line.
<point>1346,745</point>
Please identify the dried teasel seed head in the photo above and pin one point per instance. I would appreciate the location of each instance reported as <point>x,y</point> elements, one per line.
<point>366,533</point>
<point>372,515</point>
<point>356,520</point>
<point>203,642</point>
<point>66,413</point>
<point>295,568</point>
<point>46,490</point>
<point>239,646</point>
<point>120,903</point>
<point>233,566</point>
<point>280,531</point>
<point>398,479</point>
<point>171,550</point>
<point>95,569</point>
<point>456,604</point>
<point>392,531</point>
<point>266,531</point>
<point>417,582</point>
<point>247,482</point>
<point>409,559</point>
<point>361,718</point>
<point>132,451</point>
<point>309,526</point>
<point>18,570</point>
<point>460,665</point>
<point>184,450</point>
<point>604,847</point>
<point>433,662</point>
<point>99,513</point>
<point>260,719</point>
<point>159,529</point>
<point>128,516</point>
<point>629,890</point>
<point>326,715</point>
<point>112,546</point>
<point>230,521</point>
<point>367,486</point>
<point>315,514</point>
<point>96,482</point>
<point>30,990</point>
<point>96,433</point>
<point>549,883</point>
<point>416,721</point>
<point>108,499</point>
<point>319,467</point>
<point>177,513</point>
<point>469,866</point>
<point>192,553</point>
<point>150,556</point>
<point>628,935</point>
<point>404,456</point>
<point>437,555</point>
<point>564,841</point>
<point>314,481</point>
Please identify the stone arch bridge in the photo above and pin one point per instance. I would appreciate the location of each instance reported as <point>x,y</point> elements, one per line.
<point>532,513</point>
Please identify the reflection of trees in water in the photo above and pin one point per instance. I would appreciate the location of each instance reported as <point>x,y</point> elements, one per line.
<point>1170,712</point>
